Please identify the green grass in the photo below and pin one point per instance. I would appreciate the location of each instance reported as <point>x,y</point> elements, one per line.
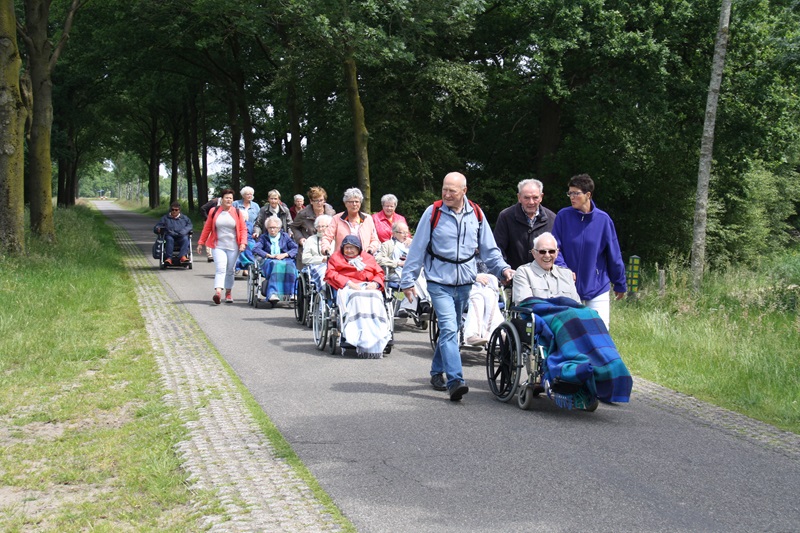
<point>736,344</point>
<point>88,442</point>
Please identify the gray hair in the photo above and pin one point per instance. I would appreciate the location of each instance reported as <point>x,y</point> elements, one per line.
<point>246,190</point>
<point>322,218</point>
<point>353,193</point>
<point>399,225</point>
<point>299,196</point>
<point>389,198</point>
<point>274,192</point>
<point>524,183</point>
<point>539,237</point>
<point>273,219</point>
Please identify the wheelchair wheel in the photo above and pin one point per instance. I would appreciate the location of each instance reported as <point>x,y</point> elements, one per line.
<point>309,302</point>
<point>252,288</point>
<point>503,361</point>
<point>320,321</point>
<point>299,299</point>
<point>433,330</point>
<point>526,396</point>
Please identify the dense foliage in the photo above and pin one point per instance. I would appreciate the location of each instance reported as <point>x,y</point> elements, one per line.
<point>502,91</point>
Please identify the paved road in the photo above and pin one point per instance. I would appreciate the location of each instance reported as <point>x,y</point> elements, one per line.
<point>397,456</point>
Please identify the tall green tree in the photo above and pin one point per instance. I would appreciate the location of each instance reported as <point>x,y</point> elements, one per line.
<point>13,113</point>
<point>41,58</point>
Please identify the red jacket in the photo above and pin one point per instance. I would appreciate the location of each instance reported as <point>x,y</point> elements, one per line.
<point>209,235</point>
<point>339,271</point>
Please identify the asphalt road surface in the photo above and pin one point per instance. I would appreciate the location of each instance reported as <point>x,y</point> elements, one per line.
<point>397,456</point>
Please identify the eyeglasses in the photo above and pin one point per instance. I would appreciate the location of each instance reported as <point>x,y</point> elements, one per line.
<point>174,209</point>
<point>401,232</point>
<point>575,193</point>
<point>318,201</point>
<point>353,202</point>
<point>544,252</point>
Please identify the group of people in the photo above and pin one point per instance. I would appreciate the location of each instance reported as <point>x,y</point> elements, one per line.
<point>454,261</point>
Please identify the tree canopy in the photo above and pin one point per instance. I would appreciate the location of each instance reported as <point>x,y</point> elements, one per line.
<point>501,91</point>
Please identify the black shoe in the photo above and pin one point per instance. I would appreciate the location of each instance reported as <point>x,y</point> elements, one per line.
<point>424,308</point>
<point>437,382</point>
<point>457,391</point>
<point>402,313</point>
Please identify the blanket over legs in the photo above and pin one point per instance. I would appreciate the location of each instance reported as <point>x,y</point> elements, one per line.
<point>580,348</point>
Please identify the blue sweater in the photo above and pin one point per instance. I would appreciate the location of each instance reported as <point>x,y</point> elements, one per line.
<point>588,246</point>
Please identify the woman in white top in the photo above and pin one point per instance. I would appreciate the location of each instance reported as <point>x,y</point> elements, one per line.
<point>225,232</point>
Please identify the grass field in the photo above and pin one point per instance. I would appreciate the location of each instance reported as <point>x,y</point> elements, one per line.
<point>737,344</point>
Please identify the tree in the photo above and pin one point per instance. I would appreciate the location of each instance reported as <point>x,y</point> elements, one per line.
<point>707,148</point>
<point>13,113</point>
<point>41,60</point>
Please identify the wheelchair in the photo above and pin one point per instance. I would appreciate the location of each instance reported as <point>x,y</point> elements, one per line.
<point>516,364</point>
<point>160,253</point>
<point>328,325</point>
<point>433,328</point>
<point>421,317</point>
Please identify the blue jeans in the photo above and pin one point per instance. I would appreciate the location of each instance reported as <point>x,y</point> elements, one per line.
<point>182,241</point>
<point>449,302</point>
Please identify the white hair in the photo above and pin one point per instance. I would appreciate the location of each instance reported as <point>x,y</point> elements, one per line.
<point>540,236</point>
<point>246,190</point>
<point>299,197</point>
<point>389,198</point>
<point>524,183</point>
<point>322,218</point>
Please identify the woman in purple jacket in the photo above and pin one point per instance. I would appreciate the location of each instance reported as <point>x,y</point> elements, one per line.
<point>588,246</point>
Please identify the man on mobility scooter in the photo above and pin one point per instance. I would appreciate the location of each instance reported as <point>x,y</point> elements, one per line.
<point>174,229</point>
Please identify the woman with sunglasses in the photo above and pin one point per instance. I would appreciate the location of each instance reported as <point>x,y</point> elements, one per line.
<point>541,277</point>
<point>588,243</point>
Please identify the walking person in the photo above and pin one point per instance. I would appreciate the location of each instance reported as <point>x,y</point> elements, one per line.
<point>588,246</point>
<point>451,234</point>
<point>225,232</point>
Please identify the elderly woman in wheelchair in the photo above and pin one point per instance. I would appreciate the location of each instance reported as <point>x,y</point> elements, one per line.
<point>564,347</point>
<point>358,319</point>
<point>277,251</point>
<point>312,275</point>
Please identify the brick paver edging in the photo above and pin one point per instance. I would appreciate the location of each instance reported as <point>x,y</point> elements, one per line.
<point>226,451</point>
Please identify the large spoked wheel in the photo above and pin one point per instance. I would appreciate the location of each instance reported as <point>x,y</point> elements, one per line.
<point>252,287</point>
<point>299,299</point>
<point>320,321</point>
<point>335,333</point>
<point>533,387</point>
<point>504,361</point>
<point>310,303</point>
<point>433,330</point>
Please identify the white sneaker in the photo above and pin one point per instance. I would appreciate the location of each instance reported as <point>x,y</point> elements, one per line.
<point>274,298</point>
<point>477,341</point>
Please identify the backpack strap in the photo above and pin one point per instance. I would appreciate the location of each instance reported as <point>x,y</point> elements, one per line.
<point>436,214</point>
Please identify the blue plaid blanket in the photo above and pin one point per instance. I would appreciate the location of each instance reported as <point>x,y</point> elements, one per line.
<point>579,347</point>
<point>279,277</point>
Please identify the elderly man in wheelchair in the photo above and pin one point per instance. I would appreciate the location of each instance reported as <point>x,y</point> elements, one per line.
<point>563,347</point>
<point>358,319</point>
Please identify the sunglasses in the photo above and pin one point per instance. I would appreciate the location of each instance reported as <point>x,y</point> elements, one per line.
<point>174,209</point>
<point>543,252</point>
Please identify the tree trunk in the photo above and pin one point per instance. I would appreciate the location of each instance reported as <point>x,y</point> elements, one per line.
<point>247,134</point>
<point>13,113</point>
<point>359,131</point>
<point>40,173</point>
<point>707,149</point>
<point>236,138</point>
<point>549,139</point>
<point>154,188</point>
<point>296,146</point>
<point>200,178</point>
<point>175,158</point>
<point>188,149</point>
<point>61,193</point>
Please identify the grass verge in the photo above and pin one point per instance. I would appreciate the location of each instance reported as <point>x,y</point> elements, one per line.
<point>87,441</point>
<point>736,344</point>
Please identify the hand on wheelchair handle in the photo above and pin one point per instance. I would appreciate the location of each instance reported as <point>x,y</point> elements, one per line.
<point>410,293</point>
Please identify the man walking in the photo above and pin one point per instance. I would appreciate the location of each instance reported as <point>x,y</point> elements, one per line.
<point>519,224</point>
<point>451,234</point>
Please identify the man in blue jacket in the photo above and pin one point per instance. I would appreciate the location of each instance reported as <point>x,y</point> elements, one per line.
<point>176,228</point>
<point>588,246</point>
<point>451,234</point>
